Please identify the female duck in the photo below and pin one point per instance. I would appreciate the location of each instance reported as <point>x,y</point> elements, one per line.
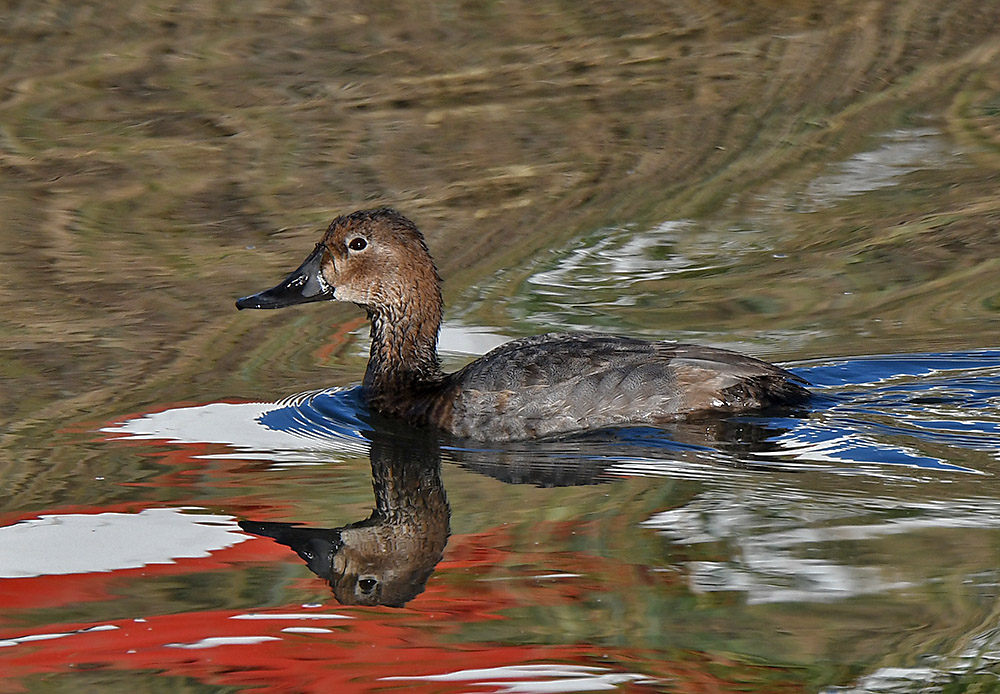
<point>537,386</point>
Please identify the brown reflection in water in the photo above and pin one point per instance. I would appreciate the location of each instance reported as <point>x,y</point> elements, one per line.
<point>596,457</point>
<point>387,558</point>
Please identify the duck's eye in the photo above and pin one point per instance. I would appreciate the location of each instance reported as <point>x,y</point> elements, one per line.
<point>357,244</point>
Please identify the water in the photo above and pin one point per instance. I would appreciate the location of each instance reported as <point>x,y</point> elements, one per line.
<point>179,479</point>
<point>831,510</point>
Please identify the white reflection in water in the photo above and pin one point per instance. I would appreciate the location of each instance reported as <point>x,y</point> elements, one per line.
<point>33,638</point>
<point>937,674</point>
<point>74,543</point>
<point>770,536</point>
<point>216,641</point>
<point>537,679</point>
<point>306,434</point>
<point>902,152</point>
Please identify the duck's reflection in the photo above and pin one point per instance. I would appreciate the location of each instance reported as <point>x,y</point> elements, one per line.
<point>387,558</point>
<point>596,457</point>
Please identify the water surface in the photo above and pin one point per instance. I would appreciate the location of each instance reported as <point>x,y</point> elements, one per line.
<point>814,185</point>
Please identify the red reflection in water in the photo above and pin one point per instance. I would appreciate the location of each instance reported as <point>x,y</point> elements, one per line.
<point>356,653</point>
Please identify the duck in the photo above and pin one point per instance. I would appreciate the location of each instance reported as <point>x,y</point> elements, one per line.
<point>541,386</point>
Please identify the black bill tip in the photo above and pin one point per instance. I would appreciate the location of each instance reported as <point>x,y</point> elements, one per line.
<point>252,301</point>
<point>304,285</point>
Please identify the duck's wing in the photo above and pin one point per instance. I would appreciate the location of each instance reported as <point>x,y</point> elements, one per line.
<point>554,383</point>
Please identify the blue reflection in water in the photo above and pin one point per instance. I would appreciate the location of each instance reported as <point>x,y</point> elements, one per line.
<point>922,411</point>
<point>869,370</point>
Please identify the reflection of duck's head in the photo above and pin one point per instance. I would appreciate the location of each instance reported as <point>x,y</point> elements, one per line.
<point>384,564</point>
<point>538,386</point>
<point>387,558</point>
<point>370,563</point>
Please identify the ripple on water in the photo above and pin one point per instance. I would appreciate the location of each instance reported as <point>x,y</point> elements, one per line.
<point>620,267</point>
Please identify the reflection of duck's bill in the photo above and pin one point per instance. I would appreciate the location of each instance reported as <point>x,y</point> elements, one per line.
<point>316,546</point>
<point>300,287</point>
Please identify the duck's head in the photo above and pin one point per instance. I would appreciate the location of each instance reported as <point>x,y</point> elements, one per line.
<point>374,258</point>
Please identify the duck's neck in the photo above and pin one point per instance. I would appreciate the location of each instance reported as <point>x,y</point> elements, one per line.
<point>403,359</point>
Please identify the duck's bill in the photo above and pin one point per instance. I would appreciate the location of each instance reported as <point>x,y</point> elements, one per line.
<point>302,286</point>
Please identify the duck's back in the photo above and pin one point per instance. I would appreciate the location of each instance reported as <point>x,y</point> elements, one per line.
<point>554,383</point>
